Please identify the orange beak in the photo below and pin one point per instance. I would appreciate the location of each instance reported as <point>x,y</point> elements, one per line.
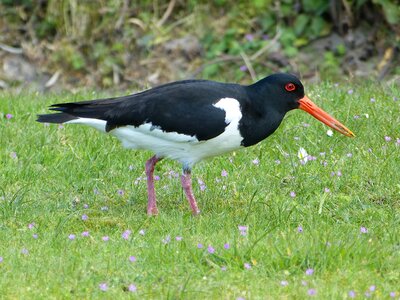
<point>309,106</point>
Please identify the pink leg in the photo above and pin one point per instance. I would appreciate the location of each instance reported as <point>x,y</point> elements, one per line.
<point>186,180</point>
<point>151,205</point>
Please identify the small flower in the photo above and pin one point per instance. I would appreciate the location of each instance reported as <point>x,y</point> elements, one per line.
<point>178,238</point>
<point>352,294</point>
<point>277,161</point>
<point>350,92</point>
<point>327,190</point>
<point>306,124</point>
<point>31,225</point>
<point>24,251</point>
<point>156,177</point>
<point>223,268</point>
<point>339,173</point>
<point>388,138</point>
<point>132,288</point>
<point>398,142</point>
<point>103,286</point>
<point>256,161</point>
<point>167,239</point>
<point>72,236</point>
<point>105,238</point>
<point>243,229</point>
<point>392,294</point>
<point>224,173</point>
<point>1,259</point>
<point>210,249</point>
<point>363,229</point>
<point>372,100</point>
<point>247,266</point>
<point>372,288</point>
<point>249,37</point>
<point>96,191</point>
<point>132,258</point>
<point>9,116</point>
<point>292,194</point>
<point>329,132</point>
<point>201,184</point>
<point>200,246</point>
<point>60,126</point>
<point>349,155</point>
<point>126,234</point>
<point>85,233</point>
<point>309,272</point>
<point>35,236</point>
<point>302,155</point>
<point>120,192</point>
<point>142,232</point>
<point>367,294</point>
<point>104,208</point>
<point>84,217</point>
<point>296,138</point>
<point>85,206</point>
<point>284,283</point>
<point>304,283</point>
<point>300,229</point>
<point>227,246</point>
<point>356,117</point>
<point>13,155</point>
<point>312,292</point>
<point>243,68</point>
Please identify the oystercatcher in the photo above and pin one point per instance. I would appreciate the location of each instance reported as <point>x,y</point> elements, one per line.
<point>192,120</point>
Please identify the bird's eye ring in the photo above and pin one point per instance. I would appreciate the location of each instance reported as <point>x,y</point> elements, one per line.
<point>290,87</point>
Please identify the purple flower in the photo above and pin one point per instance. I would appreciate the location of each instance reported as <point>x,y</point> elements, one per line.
<point>398,142</point>
<point>103,286</point>
<point>120,192</point>
<point>126,234</point>
<point>349,155</point>
<point>96,191</point>
<point>86,206</point>
<point>105,238</point>
<point>9,116</point>
<point>363,229</point>
<point>35,236</point>
<point>210,249</point>
<point>304,283</point>
<point>372,288</point>
<point>24,251</point>
<point>85,233</point>
<point>71,236</point>
<point>292,194</point>
<point>223,268</point>
<point>243,229</point>
<point>372,100</point>
<point>392,294</point>
<point>249,37</point>
<point>201,184</point>
<point>224,173</point>
<point>13,155</point>
<point>277,161</point>
<point>200,246</point>
<point>309,272</point>
<point>247,266</point>
<point>1,259</point>
<point>84,217</point>
<point>327,190</point>
<point>356,117</point>
<point>352,294</point>
<point>256,161</point>
<point>350,92</point>
<point>284,283</point>
<point>300,229</point>
<point>31,225</point>
<point>312,292</point>
<point>339,173</point>
<point>132,258</point>
<point>388,138</point>
<point>243,68</point>
<point>367,294</point>
<point>227,246</point>
<point>142,232</point>
<point>178,238</point>
<point>156,177</point>
<point>60,126</point>
<point>132,288</point>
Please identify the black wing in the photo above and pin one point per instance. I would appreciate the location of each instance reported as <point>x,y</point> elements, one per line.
<point>184,107</point>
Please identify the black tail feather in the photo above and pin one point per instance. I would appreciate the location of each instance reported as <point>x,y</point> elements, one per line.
<point>56,118</point>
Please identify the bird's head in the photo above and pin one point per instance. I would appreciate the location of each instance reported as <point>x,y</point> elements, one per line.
<point>289,94</point>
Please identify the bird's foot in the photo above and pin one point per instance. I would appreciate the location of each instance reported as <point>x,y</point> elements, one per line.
<point>152,211</point>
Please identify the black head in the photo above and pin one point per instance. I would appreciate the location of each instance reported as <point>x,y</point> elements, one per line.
<point>282,91</point>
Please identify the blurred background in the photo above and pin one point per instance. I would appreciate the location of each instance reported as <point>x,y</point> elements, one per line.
<point>134,44</point>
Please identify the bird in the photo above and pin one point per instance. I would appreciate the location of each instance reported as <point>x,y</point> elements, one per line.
<point>191,120</point>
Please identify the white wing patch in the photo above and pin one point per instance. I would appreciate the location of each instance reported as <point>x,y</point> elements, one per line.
<point>181,147</point>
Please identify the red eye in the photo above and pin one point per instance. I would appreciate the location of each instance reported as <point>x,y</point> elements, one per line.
<point>290,87</point>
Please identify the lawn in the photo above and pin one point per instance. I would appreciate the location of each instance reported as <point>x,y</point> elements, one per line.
<point>74,224</point>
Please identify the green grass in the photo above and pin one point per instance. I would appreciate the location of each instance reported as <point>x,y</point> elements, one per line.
<point>57,170</point>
